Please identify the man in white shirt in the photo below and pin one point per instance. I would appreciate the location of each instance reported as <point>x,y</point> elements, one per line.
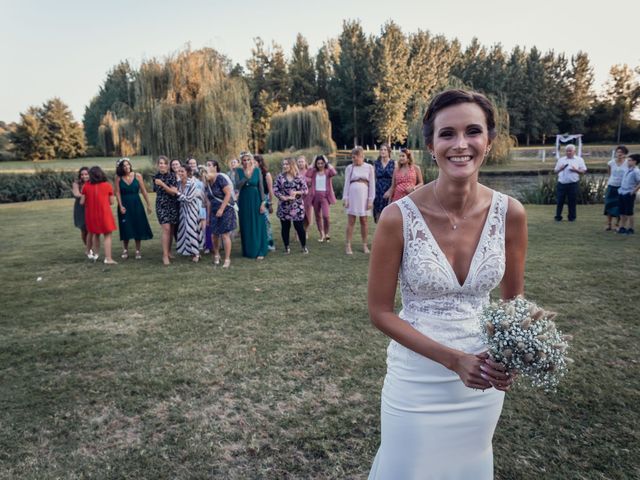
<point>569,168</point>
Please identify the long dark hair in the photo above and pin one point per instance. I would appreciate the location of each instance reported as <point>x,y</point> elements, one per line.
<point>96,175</point>
<point>120,166</point>
<point>318,158</point>
<point>82,169</point>
<point>449,98</point>
<point>261,164</point>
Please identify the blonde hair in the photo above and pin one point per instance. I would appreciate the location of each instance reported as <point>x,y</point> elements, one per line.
<point>293,166</point>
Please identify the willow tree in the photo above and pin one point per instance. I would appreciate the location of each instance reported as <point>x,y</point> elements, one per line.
<point>301,127</point>
<point>190,105</point>
<point>118,134</point>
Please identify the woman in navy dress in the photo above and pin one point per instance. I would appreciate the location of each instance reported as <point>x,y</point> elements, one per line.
<point>220,214</point>
<point>384,168</point>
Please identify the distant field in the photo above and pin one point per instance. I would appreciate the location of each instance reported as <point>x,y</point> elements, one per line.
<point>72,164</point>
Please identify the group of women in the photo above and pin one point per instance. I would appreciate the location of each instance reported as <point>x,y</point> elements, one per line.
<point>201,207</point>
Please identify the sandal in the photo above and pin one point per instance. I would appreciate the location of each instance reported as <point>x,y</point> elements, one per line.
<point>138,255</point>
<point>226,263</point>
<point>348,250</point>
<point>125,254</point>
<point>195,258</point>
<point>216,259</point>
<point>109,261</point>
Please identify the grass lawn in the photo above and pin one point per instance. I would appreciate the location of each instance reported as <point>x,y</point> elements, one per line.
<point>271,369</point>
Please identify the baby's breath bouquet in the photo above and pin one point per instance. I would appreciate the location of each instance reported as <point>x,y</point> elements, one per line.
<point>524,338</point>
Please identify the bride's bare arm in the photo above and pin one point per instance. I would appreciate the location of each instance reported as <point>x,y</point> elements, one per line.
<point>515,251</point>
<point>386,256</point>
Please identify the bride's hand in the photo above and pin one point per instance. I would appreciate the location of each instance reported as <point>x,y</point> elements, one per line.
<point>468,369</point>
<point>496,374</point>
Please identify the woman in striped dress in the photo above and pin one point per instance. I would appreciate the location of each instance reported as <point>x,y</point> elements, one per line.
<point>189,222</point>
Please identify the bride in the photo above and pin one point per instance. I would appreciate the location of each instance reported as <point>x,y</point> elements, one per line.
<point>449,243</point>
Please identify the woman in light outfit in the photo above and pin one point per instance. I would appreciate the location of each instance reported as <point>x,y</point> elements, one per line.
<point>358,194</point>
<point>449,243</point>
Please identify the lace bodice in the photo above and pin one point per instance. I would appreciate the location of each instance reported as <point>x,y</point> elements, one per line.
<point>432,298</point>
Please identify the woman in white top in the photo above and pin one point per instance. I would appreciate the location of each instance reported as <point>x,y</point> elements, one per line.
<point>357,196</point>
<point>615,170</point>
<point>321,193</point>
<point>449,243</point>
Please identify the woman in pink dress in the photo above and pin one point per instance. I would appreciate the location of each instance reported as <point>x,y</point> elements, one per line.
<point>406,178</point>
<point>359,192</point>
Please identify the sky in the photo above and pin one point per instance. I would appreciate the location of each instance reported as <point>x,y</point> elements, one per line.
<point>65,48</point>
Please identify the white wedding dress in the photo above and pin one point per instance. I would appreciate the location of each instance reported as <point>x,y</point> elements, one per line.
<point>432,425</point>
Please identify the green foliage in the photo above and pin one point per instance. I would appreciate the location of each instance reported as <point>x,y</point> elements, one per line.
<point>301,127</point>
<point>117,89</point>
<point>48,132</point>
<point>6,147</point>
<point>590,190</point>
<point>391,85</point>
<point>189,105</point>
<point>119,136</point>
<point>351,84</point>
<point>42,185</point>
<point>302,74</point>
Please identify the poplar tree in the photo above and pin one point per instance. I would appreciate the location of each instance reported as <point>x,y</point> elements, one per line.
<point>391,85</point>
<point>351,84</point>
<point>302,74</point>
<point>579,96</point>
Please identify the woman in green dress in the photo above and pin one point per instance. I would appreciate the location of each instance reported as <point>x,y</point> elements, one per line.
<point>132,220</point>
<point>252,205</point>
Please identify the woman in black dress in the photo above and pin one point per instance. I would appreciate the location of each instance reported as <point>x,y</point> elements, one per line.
<point>166,205</point>
<point>78,210</point>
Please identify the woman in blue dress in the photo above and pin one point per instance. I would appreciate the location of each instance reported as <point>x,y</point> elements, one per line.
<point>384,167</point>
<point>221,217</point>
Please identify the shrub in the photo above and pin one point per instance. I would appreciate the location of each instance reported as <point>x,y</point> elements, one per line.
<point>591,189</point>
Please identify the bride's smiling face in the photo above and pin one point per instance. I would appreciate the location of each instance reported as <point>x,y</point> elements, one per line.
<point>460,140</point>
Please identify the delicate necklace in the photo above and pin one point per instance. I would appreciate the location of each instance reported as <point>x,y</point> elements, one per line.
<point>454,226</point>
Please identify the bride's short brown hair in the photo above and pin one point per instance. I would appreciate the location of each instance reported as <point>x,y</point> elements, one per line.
<point>452,97</point>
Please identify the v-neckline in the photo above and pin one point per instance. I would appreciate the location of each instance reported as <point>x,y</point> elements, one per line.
<point>439,249</point>
<point>128,184</point>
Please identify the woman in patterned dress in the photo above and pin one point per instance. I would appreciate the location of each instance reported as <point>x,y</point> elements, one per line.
<point>221,215</point>
<point>188,195</point>
<point>449,244</point>
<point>384,167</point>
<point>406,178</point>
<point>289,189</point>
<point>166,205</point>
<point>132,220</point>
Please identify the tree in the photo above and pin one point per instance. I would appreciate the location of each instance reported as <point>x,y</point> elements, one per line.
<point>391,87</point>
<point>623,93</point>
<point>302,74</point>
<point>326,58</point>
<point>430,63</point>
<point>579,96</point>
<point>514,90</point>
<point>188,104</point>
<point>351,84</point>
<point>277,76</point>
<point>47,132</point>
<point>61,133</point>
<point>117,88</point>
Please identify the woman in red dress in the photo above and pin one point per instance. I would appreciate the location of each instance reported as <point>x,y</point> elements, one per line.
<point>97,198</point>
<point>407,177</point>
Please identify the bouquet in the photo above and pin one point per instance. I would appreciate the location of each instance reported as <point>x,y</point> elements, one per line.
<point>524,338</point>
